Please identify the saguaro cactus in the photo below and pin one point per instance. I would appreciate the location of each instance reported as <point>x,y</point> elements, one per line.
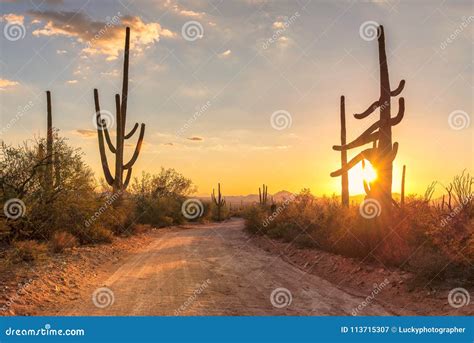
<point>117,182</point>
<point>219,201</point>
<point>344,176</point>
<point>49,144</point>
<point>402,193</point>
<point>263,195</point>
<point>383,152</point>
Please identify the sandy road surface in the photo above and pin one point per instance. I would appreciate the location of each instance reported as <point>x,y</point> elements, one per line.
<point>212,270</point>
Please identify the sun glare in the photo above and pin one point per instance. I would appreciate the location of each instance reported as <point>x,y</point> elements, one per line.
<point>357,175</point>
<point>369,173</point>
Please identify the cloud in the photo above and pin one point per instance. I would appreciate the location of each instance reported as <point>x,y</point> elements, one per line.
<point>225,54</point>
<point>71,82</point>
<point>61,52</point>
<point>4,84</point>
<point>104,38</point>
<point>13,18</point>
<point>86,133</point>
<point>169,144</point>
<point>182,11</point>
<point>195,138</point>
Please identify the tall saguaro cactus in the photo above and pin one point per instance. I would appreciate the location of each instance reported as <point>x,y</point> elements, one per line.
<point>383,151</point>
<point>49,144</point>
<point>117,181</point>
<point>344,176</point>
<point>219,201</point>
<point>263,195</point>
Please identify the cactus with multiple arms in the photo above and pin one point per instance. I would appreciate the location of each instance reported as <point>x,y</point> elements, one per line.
<point>383,152</point>
<point>117,181</point>
<point>263,195</point>
<point>219,201</point>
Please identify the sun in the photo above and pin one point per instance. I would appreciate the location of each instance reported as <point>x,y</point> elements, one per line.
<point>357,175</point>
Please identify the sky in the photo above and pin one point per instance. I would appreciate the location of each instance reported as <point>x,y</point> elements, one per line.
<point>244,92</point>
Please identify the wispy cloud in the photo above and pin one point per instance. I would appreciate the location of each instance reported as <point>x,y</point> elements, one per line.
<point>4,84</point>
<point>195,138</point>
<point>85,133</point>
<point>225,54</point>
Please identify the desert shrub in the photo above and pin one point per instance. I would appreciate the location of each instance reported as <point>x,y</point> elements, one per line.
<point>28,251</point>
<point>46,209</point>
<point>254,219</point>
<point>159,197</point>
<point>422,236</point>
<point>62,240</point>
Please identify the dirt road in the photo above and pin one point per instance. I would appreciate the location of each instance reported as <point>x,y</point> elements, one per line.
<point>212,269</point>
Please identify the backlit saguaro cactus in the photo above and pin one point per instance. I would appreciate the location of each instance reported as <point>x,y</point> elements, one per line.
<point>263,195</point>
<point>402,193</point>
<point>219,201</point>
<point>383,151</point>
<point>344,175</point>
<point>49,144</point>
<point>117,182</point>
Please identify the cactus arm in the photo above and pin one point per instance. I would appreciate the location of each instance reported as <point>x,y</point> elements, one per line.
<point>401,112</point>
<point>103,156</point>
<point>108,140</point>
<point>368,111</point>
<point>365,138</point>
<point>399,89</point>
<point>367,154</point>
<point>137,148</point>
<point>130,134</point>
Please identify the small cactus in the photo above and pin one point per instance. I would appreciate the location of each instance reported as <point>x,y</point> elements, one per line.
<point>219,201</point>
<point>263,195</point>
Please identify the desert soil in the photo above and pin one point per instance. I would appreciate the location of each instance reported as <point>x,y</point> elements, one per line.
<point>211,269</point>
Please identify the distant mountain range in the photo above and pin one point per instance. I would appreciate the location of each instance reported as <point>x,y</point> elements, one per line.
<point>277,197</point>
